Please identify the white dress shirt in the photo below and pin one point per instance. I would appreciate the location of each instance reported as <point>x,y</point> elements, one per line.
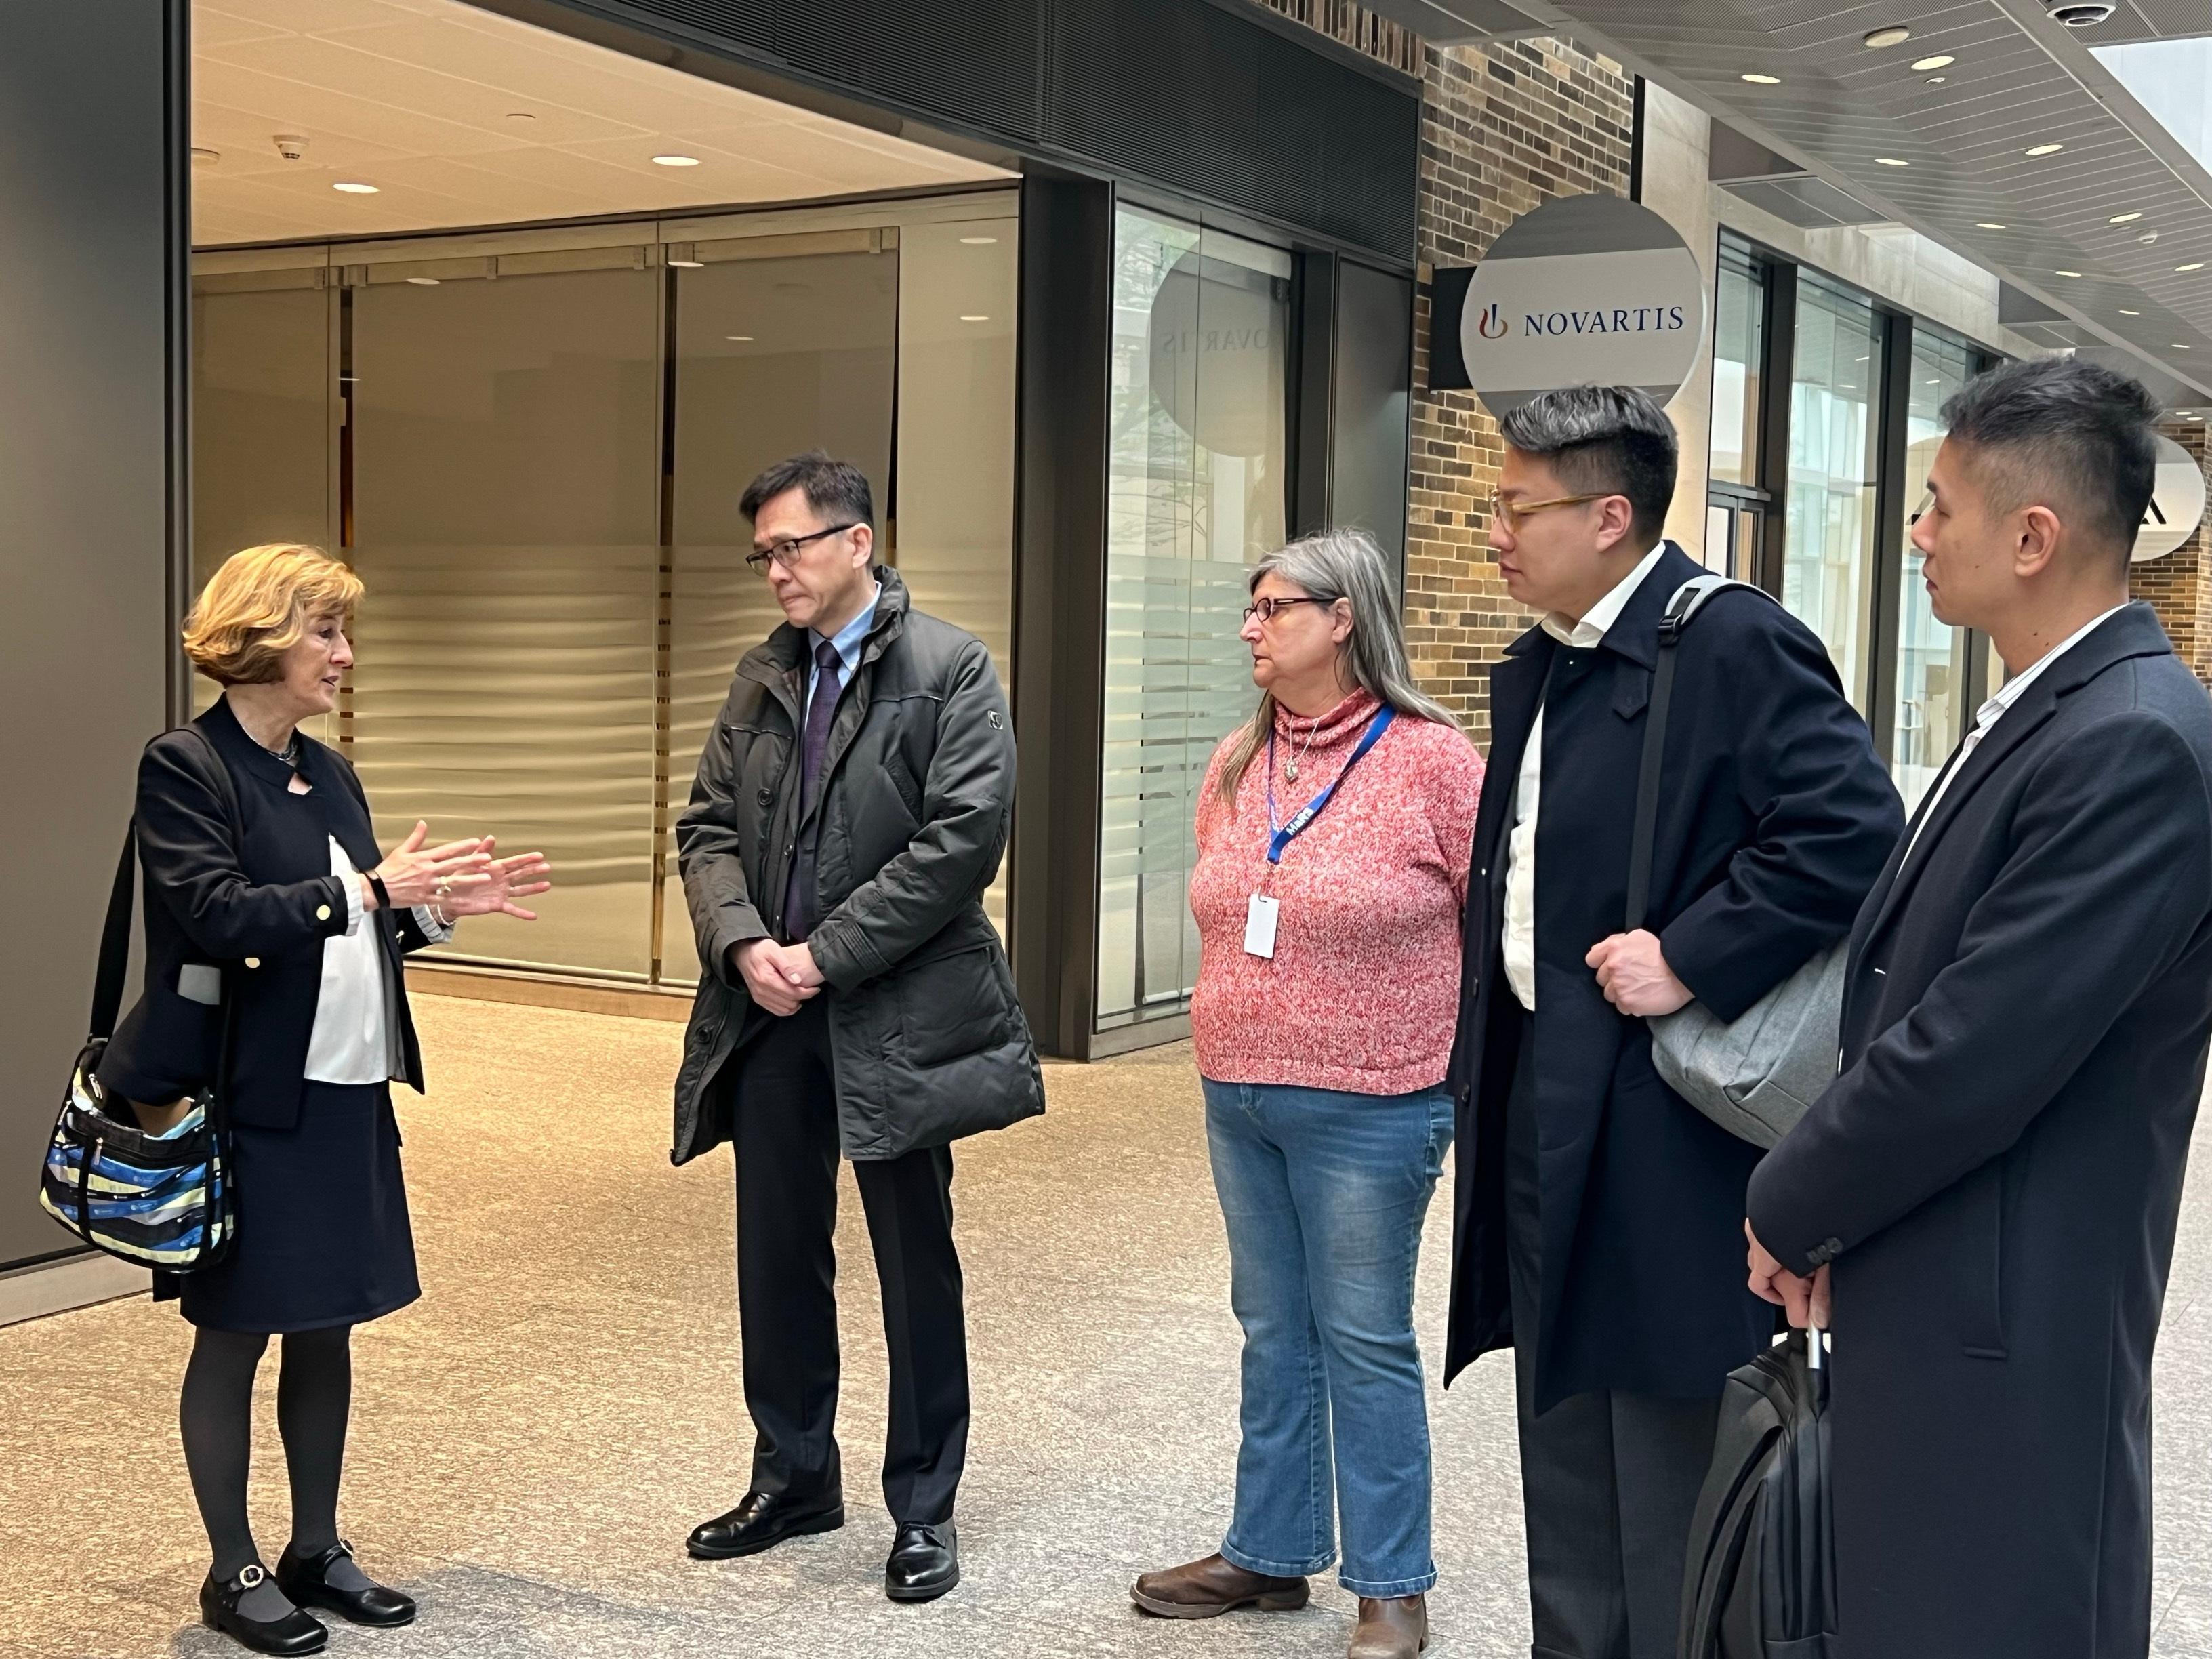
<point>1988,713</point>
<point>354,1040</point>
<point>1521,842</point>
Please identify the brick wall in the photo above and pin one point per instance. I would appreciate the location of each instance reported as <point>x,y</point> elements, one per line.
<point>2180,585</point>
<point>1352,25</point>
<point>1504,128</point>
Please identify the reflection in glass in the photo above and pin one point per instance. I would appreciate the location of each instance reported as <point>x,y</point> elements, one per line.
<point>507,525</point>
<point>1828,541</point>
<point>1931,659</point>
<point>1738,326</point>
<point>1197,492</point>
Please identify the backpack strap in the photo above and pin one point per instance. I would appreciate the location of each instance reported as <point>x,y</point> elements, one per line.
<point>1686,601</point>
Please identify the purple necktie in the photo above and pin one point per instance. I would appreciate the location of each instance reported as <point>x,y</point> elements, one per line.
<point>801,903</point>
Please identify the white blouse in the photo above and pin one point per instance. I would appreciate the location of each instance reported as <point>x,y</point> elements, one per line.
<point>354,1040</point>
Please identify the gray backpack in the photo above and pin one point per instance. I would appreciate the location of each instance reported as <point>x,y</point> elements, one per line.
<point>1753,1076</point>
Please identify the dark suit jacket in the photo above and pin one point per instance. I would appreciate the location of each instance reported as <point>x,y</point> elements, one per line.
<point>1998,1172</point>
<point>1774,820</point>
<point>254,897</point>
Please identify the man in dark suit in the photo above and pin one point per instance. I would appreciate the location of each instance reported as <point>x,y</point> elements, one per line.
<point>1994,1180</point>
<point>1595,1227</point>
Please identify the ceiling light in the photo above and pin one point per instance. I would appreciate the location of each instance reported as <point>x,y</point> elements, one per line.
<point>2177,346</point>
<point>351,188</point>
<point>2124,218</point>
<point>2147,237</point>
<point>1987,224</point>
<point>979,241</point>
<point>676,161</point>
<point>2194,264</point>
<point>2046,150</point>
<point>423,281</point>
<point>1762,80</point>
<point>688,264</point>
<point>2125,312</point>
<point>742,338</point>
<point>1937,80</point>
<point>1938,381</point>
<point>1940,60</point>
<point>203,157</point>
<point>972,319</point>
<point>2065,273</point>
<point>1859,360</point>
<point>1890,162</point>
<point>1896,35</point>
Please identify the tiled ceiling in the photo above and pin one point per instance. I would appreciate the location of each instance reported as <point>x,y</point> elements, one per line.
<point>462,118</point>
<point>2019,80</point>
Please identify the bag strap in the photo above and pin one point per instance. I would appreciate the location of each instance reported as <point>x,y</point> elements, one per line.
<point>115,940</point>
<point>1685,602</point>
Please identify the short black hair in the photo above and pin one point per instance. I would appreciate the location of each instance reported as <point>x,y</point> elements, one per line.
<point>1603,440</point>
<point>835,489</point>
<point>2064,433</point>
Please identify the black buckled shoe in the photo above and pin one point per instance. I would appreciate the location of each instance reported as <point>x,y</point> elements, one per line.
<point>306,1581</point>
<point>295,1632</point>
<point>763,1521</point>
<point>925,1563</point>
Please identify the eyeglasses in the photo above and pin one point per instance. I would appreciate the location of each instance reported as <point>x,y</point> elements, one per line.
<point>786,552</point>
<point>1265,610</point>
<point>1509,514</point>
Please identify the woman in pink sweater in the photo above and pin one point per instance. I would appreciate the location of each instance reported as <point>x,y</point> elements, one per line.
<point>1333,836</point>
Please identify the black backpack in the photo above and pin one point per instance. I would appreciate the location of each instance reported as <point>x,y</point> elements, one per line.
<point>1762,1564</point>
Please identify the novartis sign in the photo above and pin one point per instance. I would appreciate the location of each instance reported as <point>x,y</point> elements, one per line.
<point>2177,503</point>
<point>1586,290</point>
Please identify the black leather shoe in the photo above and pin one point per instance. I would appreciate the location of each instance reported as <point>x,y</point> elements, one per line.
<point>306,1581</point>
<point>763,1521</point>
<point>295,1632</point>
<point>925,1563</point>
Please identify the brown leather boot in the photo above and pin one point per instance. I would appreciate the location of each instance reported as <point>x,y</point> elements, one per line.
<point>1390,1627</point>
<point>1208,1588</point>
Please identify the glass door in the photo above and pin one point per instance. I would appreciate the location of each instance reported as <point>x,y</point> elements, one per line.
<point>1931,657</point>
<point>1828,539</point>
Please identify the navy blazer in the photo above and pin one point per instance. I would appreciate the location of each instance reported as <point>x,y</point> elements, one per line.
<point>254,897</point>
<point>1996,1175</point>
<point>1774,819</point>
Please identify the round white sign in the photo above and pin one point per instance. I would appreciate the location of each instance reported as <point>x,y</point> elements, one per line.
<point>1218,357</point>
<point>1585,290</point>
<point>2177,503</point>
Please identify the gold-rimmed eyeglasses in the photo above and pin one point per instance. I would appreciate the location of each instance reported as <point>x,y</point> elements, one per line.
<point>786,552</point>
<point>1509,514</point>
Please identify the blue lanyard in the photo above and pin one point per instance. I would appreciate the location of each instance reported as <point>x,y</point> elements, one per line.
<point>1279,839</point>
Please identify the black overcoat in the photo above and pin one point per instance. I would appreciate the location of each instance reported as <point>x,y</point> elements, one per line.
<point>1774,821</point>
<point>1997,1173</point>
<point>253,897</point>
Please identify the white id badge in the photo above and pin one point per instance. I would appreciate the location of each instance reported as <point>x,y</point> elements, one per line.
<point>1259,925</point>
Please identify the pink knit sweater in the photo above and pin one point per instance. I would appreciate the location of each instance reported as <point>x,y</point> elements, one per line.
<point>1362,991</point>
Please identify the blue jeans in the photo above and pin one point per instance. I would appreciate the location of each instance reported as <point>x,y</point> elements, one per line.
<point>1324,1194</point>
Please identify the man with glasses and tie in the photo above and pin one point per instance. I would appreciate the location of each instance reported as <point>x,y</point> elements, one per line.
<point>850,808</point>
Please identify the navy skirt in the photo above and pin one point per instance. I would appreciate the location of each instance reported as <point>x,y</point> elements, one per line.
<point>322,1234</point>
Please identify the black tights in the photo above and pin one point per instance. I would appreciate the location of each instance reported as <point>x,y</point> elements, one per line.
<point>315,1395</point>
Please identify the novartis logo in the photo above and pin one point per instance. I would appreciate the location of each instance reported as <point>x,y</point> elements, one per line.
<point>1490,324</point>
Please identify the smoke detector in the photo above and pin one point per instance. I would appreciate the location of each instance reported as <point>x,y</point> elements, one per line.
<point>291,146</point>
<point>2081,14</point>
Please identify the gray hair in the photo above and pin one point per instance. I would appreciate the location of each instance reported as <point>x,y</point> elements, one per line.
<point>1333,565</point>
<point>1603,440</point>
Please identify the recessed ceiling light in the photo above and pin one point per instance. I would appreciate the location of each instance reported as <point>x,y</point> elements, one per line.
<point>1987,224</point>
<point>351,188</point>
<point>2177,346</point>
<point>423,281</point>
<point>2124,218</point>
<point>1762,80</point>
<point>741,337</point>
<point>1890,162</point>
<point>1937,80</point>
<point>676,161</point>
<point>974,318</point>
<point>1940,60</point>
<point>2046,150</point>
<point>1894,36</point>
<point>2125,312</point>
<point>979,241</point>
<point>2066,273</point>
<point>2194,264</point>
<point>688,264</point>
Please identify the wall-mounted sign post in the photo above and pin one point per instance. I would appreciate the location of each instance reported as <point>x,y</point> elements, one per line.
<point>1585,290</point>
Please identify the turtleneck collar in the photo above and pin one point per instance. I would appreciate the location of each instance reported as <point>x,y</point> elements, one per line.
<point>1347,719</point>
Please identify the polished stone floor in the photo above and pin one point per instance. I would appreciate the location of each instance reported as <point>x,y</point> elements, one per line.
<point>533,1439</point>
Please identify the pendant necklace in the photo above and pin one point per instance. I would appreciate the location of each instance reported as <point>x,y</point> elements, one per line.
<point>1291,766</point>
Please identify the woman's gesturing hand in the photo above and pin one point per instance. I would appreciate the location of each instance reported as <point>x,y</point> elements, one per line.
<point>413,874</point>
<point>504,880</point>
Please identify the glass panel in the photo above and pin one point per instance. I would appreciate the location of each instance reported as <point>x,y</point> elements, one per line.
<point>507,526</point>
<point>772,356</point>
<point>1739,326</point>
<point>956,436</point>
<point>1931,659</point>
<point>1720,526</point>
<point>1197,490</point>
<point>1827,574</point>
<point>262,413</point>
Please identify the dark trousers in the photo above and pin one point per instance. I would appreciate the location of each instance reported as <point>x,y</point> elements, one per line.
<point>785,1136</point>
<point>1609,1480</point>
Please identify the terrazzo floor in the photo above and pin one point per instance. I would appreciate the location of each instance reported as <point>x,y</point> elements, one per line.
<point>534,1438</point>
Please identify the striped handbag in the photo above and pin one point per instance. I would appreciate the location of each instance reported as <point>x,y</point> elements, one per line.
<point>160,1200</point>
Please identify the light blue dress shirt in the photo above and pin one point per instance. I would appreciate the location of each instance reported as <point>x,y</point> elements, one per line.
<point>848,641</point>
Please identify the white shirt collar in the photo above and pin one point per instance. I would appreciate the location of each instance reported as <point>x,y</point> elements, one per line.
<point>1590,630</point>
<point>2015,688</point>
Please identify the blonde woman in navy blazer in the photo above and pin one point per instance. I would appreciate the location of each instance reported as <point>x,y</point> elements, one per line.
<point>268,901</point>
